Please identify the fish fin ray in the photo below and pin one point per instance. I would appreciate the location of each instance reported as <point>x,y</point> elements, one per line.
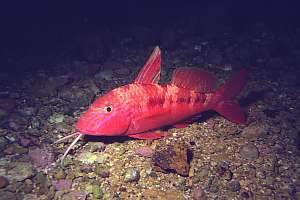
<point>193,79</point>
<point>231,111</point>
<point>150,73</point>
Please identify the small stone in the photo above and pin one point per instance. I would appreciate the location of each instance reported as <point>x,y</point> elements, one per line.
<point>105,75</point>
<point>254,131</point>
<point>28,111</point>
<point>198,194</point>
<point>4,195</point>
<point>123,71</point>
<point>59,174</point>
<point>132,175</point>
<point>63,184</point>
<point>203,173</point>
<point>19,171</point>
<point>15,149</point>
<point>3,143</point>
<point>96,146</point>
<point>90,158</point>
<point>27,186</point>
<point>234,186</point>
<point>172,157</point>
<point>41,157</point>
<point>74,195</point>
<point>144,151</point>
<point>56,118</point>
<point>249,152</point>
<point>102,171</point>
<point>3,114</point>
<point>97,191</point>
<point>3,182</point>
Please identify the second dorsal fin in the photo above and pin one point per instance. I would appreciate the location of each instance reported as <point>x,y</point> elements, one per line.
<point>193,79</point>
<point>150,73</point>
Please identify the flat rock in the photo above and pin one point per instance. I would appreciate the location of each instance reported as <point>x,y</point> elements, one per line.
<point>172,158</point>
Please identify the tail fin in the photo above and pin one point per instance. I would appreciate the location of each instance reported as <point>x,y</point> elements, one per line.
<point>223,102</point>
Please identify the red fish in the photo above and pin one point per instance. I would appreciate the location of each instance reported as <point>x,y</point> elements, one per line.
<point>139,109</point>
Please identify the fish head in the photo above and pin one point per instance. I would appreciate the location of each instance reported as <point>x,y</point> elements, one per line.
<point>109,115</point>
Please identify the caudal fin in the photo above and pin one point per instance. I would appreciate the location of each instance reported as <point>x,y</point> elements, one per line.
<point>223,102</point>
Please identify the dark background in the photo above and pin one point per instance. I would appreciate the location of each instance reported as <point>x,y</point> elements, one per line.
<point>33,30</point>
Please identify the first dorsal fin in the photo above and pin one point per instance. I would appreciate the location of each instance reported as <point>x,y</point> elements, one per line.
<point>150,73</point>
<point>193,79</point>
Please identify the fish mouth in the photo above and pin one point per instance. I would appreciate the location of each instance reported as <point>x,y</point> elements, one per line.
<point>78,136</point>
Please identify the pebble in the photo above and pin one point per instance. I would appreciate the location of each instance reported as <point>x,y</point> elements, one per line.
<point>3,182</point>
<point>172,157</point>
<point>254,131</point>
<point>56,118</point>
<point>105,74</point>
<point>27,186</point>
<point>90,158</point>
<point>41,157</point>
<point>63,184</point>
<point>132,175</point>
<point>18,171</point>
<point>102,171</point>
<point>234,186</point>
<point>198,193</point>
<point>4,195</point>
<point>249,152</point>
<point>3,143</point>
<point>96,146</point>
<point>3,114</point>
<point>59,174</point>
<point>144,151</point>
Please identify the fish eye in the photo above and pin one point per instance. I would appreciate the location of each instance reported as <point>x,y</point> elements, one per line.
<point>107,109</point>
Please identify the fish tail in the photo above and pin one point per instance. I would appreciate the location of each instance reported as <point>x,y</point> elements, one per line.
<point>223,98</point>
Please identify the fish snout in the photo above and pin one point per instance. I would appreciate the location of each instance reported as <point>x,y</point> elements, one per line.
<point>89,123</point>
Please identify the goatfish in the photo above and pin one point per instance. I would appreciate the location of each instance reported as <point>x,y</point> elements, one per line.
<point>139,109</point>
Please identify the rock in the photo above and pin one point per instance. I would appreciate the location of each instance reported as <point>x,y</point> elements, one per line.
<point>254,131</point>
<point>249,152</point>
<point>144,151</point>
<point>63,184</point>
<point>3,143</point>
<point>96,146</point>
<point>15,149</point>
<point>3,182</point>
<point>172,158</point>
<point>123,71</point>
<point>198,193</point>
<point>132,175</point>
<point>90,158</point>
<point>4,195</point>
<point>163,195</point>
<point>56,118</point>
<point>3,115</point>
<point>102,171</point>
<point>74,195</point>
<point>234,186</point>
<point>59,174</point>
<point>18,171</point>
<point>28,111</point>
<point>95,189</point>
<point>7,104</point>
<point>27,186</point>
<point>41,157</point>
<point>105,75</point>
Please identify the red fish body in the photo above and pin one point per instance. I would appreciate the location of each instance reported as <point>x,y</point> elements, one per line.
<point>139,109</point>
